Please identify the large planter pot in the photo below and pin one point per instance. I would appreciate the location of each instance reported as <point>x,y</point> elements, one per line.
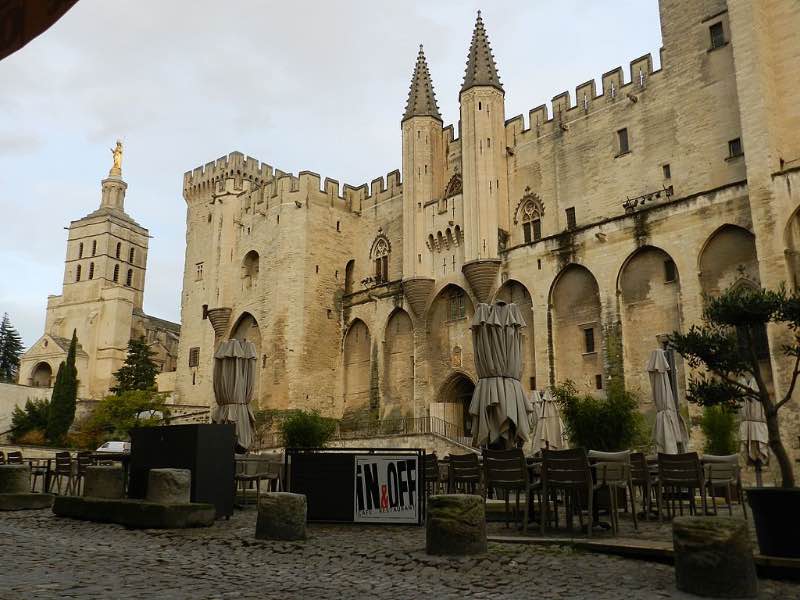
<point>777,520</point>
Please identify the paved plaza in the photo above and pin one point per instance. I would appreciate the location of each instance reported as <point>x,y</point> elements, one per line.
<point>48,557</point>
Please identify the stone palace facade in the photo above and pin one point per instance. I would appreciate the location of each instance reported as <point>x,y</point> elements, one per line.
<point>606,216</point>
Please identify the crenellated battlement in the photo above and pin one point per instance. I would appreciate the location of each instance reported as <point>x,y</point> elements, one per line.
<point>563,108</point>
<point>235,166</point>
<point>271,183</point>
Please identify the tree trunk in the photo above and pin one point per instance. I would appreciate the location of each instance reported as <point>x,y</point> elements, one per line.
<point>778,449</point>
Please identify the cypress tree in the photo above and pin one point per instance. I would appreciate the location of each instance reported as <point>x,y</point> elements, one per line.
<point>65,393</point>
<point>10,350</point>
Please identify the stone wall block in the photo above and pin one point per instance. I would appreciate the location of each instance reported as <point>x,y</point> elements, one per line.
<point>15,479</point>
<point>104,482</point>
<point>169,486</point>
<point>456,525</point>
<point>282,516</point>
<point>714,557</point>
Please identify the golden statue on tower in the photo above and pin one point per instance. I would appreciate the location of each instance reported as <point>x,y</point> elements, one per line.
<point>117,153</point>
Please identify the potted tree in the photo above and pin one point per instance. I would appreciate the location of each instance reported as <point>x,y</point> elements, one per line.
<point>726,348</point>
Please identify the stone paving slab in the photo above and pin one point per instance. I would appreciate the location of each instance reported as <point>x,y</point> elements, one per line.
<point>47,557</point>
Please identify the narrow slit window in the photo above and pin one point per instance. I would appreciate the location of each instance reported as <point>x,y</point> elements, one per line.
<point>571,221</point>
<point>588,340</point>
<point>78,273</point>
<point>94,247</point>
<point>735,148</point>
<point>119,249</point>
<point>91,270</point>
<point>717,34</point>
<point>667,171</point>
<point>622,138</point>
<point>129,278</point>
<point>116,273</point>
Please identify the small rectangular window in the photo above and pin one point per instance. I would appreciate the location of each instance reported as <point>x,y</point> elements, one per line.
<point>717,34</point>
<point>667,172</point>
<point>198,271</point>
<point>571,222</point>
<point>457,307</point>
<point>588,339</point>
<point>598,381</point>
<point>533,383</point>
<point>537,230</point>
<point>735,148</point>
<point>194,356</point>
<point>526,232</point>
<point>670,272</point>
<point>622,137</point>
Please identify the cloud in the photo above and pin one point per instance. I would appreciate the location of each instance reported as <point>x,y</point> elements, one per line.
<point>301,85</point>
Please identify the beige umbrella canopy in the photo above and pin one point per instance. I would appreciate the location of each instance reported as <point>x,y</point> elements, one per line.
<point>549,432</point>
<point>499,406</point>
<point>670,433</point>
<point>234,378</point>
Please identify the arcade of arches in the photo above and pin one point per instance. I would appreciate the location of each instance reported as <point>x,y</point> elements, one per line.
<point>424,365</point>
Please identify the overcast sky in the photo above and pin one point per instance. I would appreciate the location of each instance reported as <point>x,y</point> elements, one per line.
<point>315,85</point>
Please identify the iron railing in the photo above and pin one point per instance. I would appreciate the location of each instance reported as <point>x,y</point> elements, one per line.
<point>364,428</point>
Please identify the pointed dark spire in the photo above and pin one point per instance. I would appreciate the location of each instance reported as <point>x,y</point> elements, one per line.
<point>481,69</point>
<point>421,99</point>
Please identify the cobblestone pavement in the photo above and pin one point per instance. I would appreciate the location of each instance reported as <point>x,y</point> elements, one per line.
<point>44,557</point>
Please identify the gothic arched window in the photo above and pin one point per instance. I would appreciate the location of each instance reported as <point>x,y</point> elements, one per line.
<point>91,270</point>
<point>380,256</point>
<point>131,255</point>
<point>119,248</point>
<point>78,273</point>
<point>530,211</point>
<point>116,273</point>
<point>129,279</point>
<point>80,250</point>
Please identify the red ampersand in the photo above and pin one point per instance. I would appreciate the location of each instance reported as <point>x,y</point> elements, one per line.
<point>384,498</point>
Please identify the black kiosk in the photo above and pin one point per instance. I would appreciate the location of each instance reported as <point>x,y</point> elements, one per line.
<point>207,450</point>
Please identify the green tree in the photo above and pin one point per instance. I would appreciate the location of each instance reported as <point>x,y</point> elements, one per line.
<point>10,350</point>
<point>139,371</point>
<point>726,347</point>
<point>32,418</point>
<point>115,416</point>
<point>65,393</point>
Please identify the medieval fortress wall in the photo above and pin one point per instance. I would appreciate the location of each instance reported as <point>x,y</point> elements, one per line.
<point>606,215</point>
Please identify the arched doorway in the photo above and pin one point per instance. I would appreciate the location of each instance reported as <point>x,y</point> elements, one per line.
<point>42,375</point>
<point>453,402</point>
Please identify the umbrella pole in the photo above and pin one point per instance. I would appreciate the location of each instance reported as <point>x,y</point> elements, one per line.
<point>759,480</point>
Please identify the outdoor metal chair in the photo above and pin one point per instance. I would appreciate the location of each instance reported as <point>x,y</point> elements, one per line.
<point>507,470</point>
<point>567,471</point>
<point>63,470</point>
<point>613,471</point>
<point>2,458</point>
<point>432,479</point>
<point>723,471</point>
<point>253,470</point>
<point>676,473</point>
<point>84,459</point>
<point>39,470</point>
<point>641,479</point>
<point>465,474</point>
<point>14,457</point>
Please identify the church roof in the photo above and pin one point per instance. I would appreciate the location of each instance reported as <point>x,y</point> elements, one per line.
<point>481,69</point>
<point>421,98</point>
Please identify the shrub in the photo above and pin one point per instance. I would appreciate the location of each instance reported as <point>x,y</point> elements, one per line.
<point>608,424</point>
<point>307,430</point>
<point>34,437</point>
<point>31,418</point>
<point>720,428</point>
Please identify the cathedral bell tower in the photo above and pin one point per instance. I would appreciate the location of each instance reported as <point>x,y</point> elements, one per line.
<point>484,165</point>
<point>423,180</point>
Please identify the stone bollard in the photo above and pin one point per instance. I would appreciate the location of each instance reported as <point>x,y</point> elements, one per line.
<point>281,516</point>
<point>169,486</point>
<point>455,525</point>
<point>714,557</point>
<point>15,479</point>
<point>104,482</point>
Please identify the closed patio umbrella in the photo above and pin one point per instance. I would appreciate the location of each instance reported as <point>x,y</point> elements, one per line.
<point>549,432</point>
<point>234,379</point>
<point>670,433</point>
<point>499,406</point>
<point>753,433</point>
<point>536,404</point>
